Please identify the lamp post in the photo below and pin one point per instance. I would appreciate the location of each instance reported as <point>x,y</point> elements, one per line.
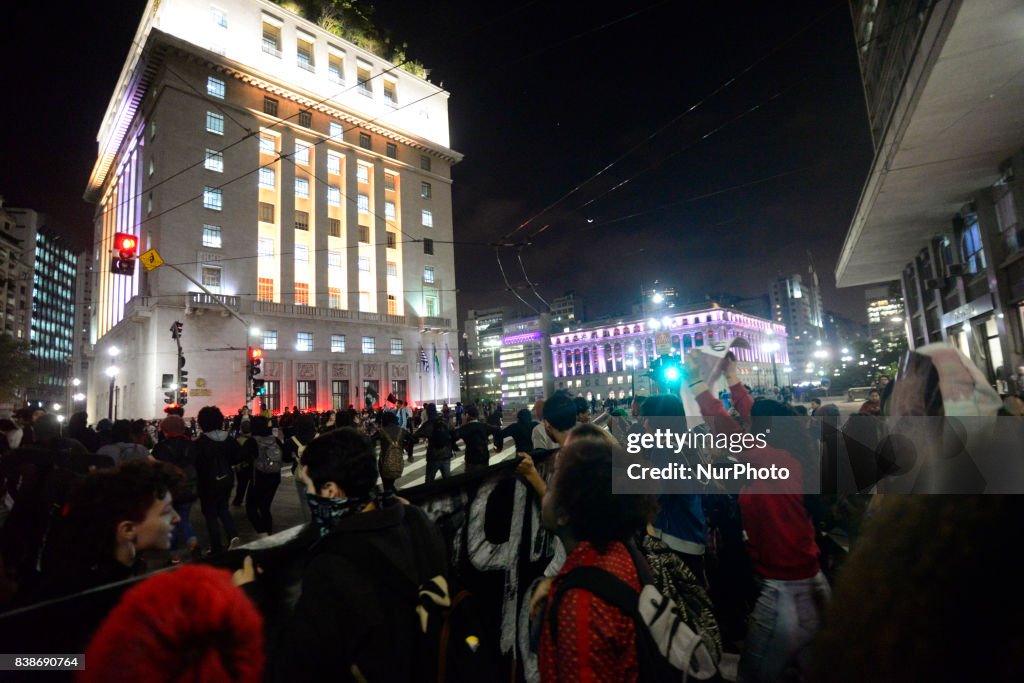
<point>772,347</point>
<point>632,364</point>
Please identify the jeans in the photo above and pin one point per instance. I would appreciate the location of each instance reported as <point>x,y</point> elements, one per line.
<point>184,530</point>
<point>244,478</point>
<point>217,511</point>
<point>264,486</point>
<point>784,621</point>
<point>445,466</point>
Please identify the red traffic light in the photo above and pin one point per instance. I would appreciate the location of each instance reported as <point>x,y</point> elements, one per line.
<point>254,354</point>
<point>127,243</point>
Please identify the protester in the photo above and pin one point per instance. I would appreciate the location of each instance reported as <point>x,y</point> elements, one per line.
<point>540,436</point>
<point>439,444</point>
<point>191,624</point>
<point>474,434</point>
<point>243,475</point>
<point>872,406</point>
<point>78,429</point>
<point>123,447</point>
<point>266,466</point>
<point>176,449</point>
<point>216,457</point>
<point>494,421</point>
<point>584,638</point>
<point>393,442</point>
<point>778,528</point>
<point>521,431</point>
<point>301,431</point>
<point>352,616</point>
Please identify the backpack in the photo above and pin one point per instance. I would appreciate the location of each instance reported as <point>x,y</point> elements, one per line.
<point>667,648</point>
<point>392,463</point>
<point>268,457</point>
<point>440,436</point>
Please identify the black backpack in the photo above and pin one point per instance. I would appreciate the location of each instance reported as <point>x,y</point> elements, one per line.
<point>440,436</point>
<point>452,644</point>
<point>667,649</point>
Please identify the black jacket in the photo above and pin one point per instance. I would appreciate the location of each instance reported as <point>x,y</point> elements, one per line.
<point>349,612</point>
<point>474,434</point>
<point>214,462</point>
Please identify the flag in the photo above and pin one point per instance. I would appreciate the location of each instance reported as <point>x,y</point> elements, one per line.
<point>451,361</point>
<point>437,363</point>
<point>424,364</point>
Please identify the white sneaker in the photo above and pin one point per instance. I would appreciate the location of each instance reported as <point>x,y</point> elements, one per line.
<point>235,542</point>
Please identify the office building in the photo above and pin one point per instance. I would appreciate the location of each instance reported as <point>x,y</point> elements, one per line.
<point>796,304</point>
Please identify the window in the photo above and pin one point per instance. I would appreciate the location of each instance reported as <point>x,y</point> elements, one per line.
<point>339,394</point>
<point>364,264</point>
<point>271,37</point>
<point>970,245</point>
<point>390,93</point>
<point>362,173</point>
<point>302,220</point>
<point>266,212</point>
<point>304,52</point>
<point>336,69</point>
<point>333,163</point>
<point>152,168</point>
<point>430,301</point>
<point>306,119</point>
<point>428,246</point>
<point>305,394</point>
<point>211,236</point>
<point>364,301</point>
<point>220,19</point>
<point>211,278</point>
<point>214,123</point>
<point>334,199</point>
<point>392,240</point>
<point>389,182</point>
<point>302,253</point>
<point>363,202</point>
<point>213,198</point>
<point>302,188</point>
<point>265,292</point>
<point>427,218</point>
<point>389,211</point>
<point>365,141</point>
<point>269,106</point>
<point>425,192</point>
<point>272,399</point>
<point>337,343</point>
<point>270,340</point>
<point>334,297</point>
<point>369,345</point>
<point>335,130</point>
<point>267,145</point>
<point>428,274</point>
<point>302,299</point>
<point>396,347</point>
<point>334,227</point>
<point>214,161</point>
<point>424,162</point>
<point>334,260</point>
<point>392,305</point>
<point>392,269</point>
<point>302,152</point>
<point>391,149</point>
<point>215,87</point>
<point>363,78</point>
<point>268,178</point>
<point>364,234</point>
<point>265,247</point>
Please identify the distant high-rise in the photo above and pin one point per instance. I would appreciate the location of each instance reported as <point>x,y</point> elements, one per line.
<point>886,326</point>
<point>481,367</point>
<point>568,309</point>
<point>15,279</point>
<point>305,183</point>
<point>796,303</point>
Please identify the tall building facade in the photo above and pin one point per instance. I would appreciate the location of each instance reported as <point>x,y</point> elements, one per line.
<point>15,279</point>
<point>568,309</point>
<point>526,370</point>
<point>304,182</point>
<point>885,317</point>
<point>483,330</point>
<point>940,208</point>
<point>82,355</point>
<point>610,360</point>
<point>54,267</point>
<point>796,304</point>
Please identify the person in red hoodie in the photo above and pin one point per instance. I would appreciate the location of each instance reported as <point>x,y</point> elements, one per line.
<point>778,529</point>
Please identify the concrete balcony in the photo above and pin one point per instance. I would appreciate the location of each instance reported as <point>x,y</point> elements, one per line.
<point>203,300</point>
<point>313,312</point>
<point>138,309</point>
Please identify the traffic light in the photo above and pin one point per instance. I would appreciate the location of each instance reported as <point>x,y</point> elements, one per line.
<point>259,387</point>
<point>255,361</point>
<point>126,251</point>
<point>176,330</point>
<point>170,397</point>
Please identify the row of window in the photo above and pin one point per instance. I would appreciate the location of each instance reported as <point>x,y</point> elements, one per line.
<point>304,342</point>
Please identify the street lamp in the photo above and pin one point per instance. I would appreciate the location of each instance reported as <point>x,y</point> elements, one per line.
<point>772,347</point>
<point>632,364</point>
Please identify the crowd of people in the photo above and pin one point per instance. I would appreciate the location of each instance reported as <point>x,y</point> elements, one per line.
<point>759,573</point>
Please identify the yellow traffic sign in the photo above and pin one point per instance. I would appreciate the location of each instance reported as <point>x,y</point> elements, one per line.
<point>151,260</point>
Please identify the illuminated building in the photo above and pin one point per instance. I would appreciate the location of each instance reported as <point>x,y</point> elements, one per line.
<point>305,182</point>
<point>598,362</point>
<point>481,367</point>
<point>525,362</point>
<point>796,304</point>
<point>15,280</point>
<point>885,317</point>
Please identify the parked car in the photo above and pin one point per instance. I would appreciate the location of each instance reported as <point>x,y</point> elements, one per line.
<point>858,393</point>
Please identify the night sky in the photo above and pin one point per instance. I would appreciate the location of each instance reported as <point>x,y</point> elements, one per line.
<point>544,96</point>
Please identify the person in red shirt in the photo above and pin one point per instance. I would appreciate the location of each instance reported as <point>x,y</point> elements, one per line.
<point>780,536</point>
<point>872,406</point>
<point>594,640</point>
